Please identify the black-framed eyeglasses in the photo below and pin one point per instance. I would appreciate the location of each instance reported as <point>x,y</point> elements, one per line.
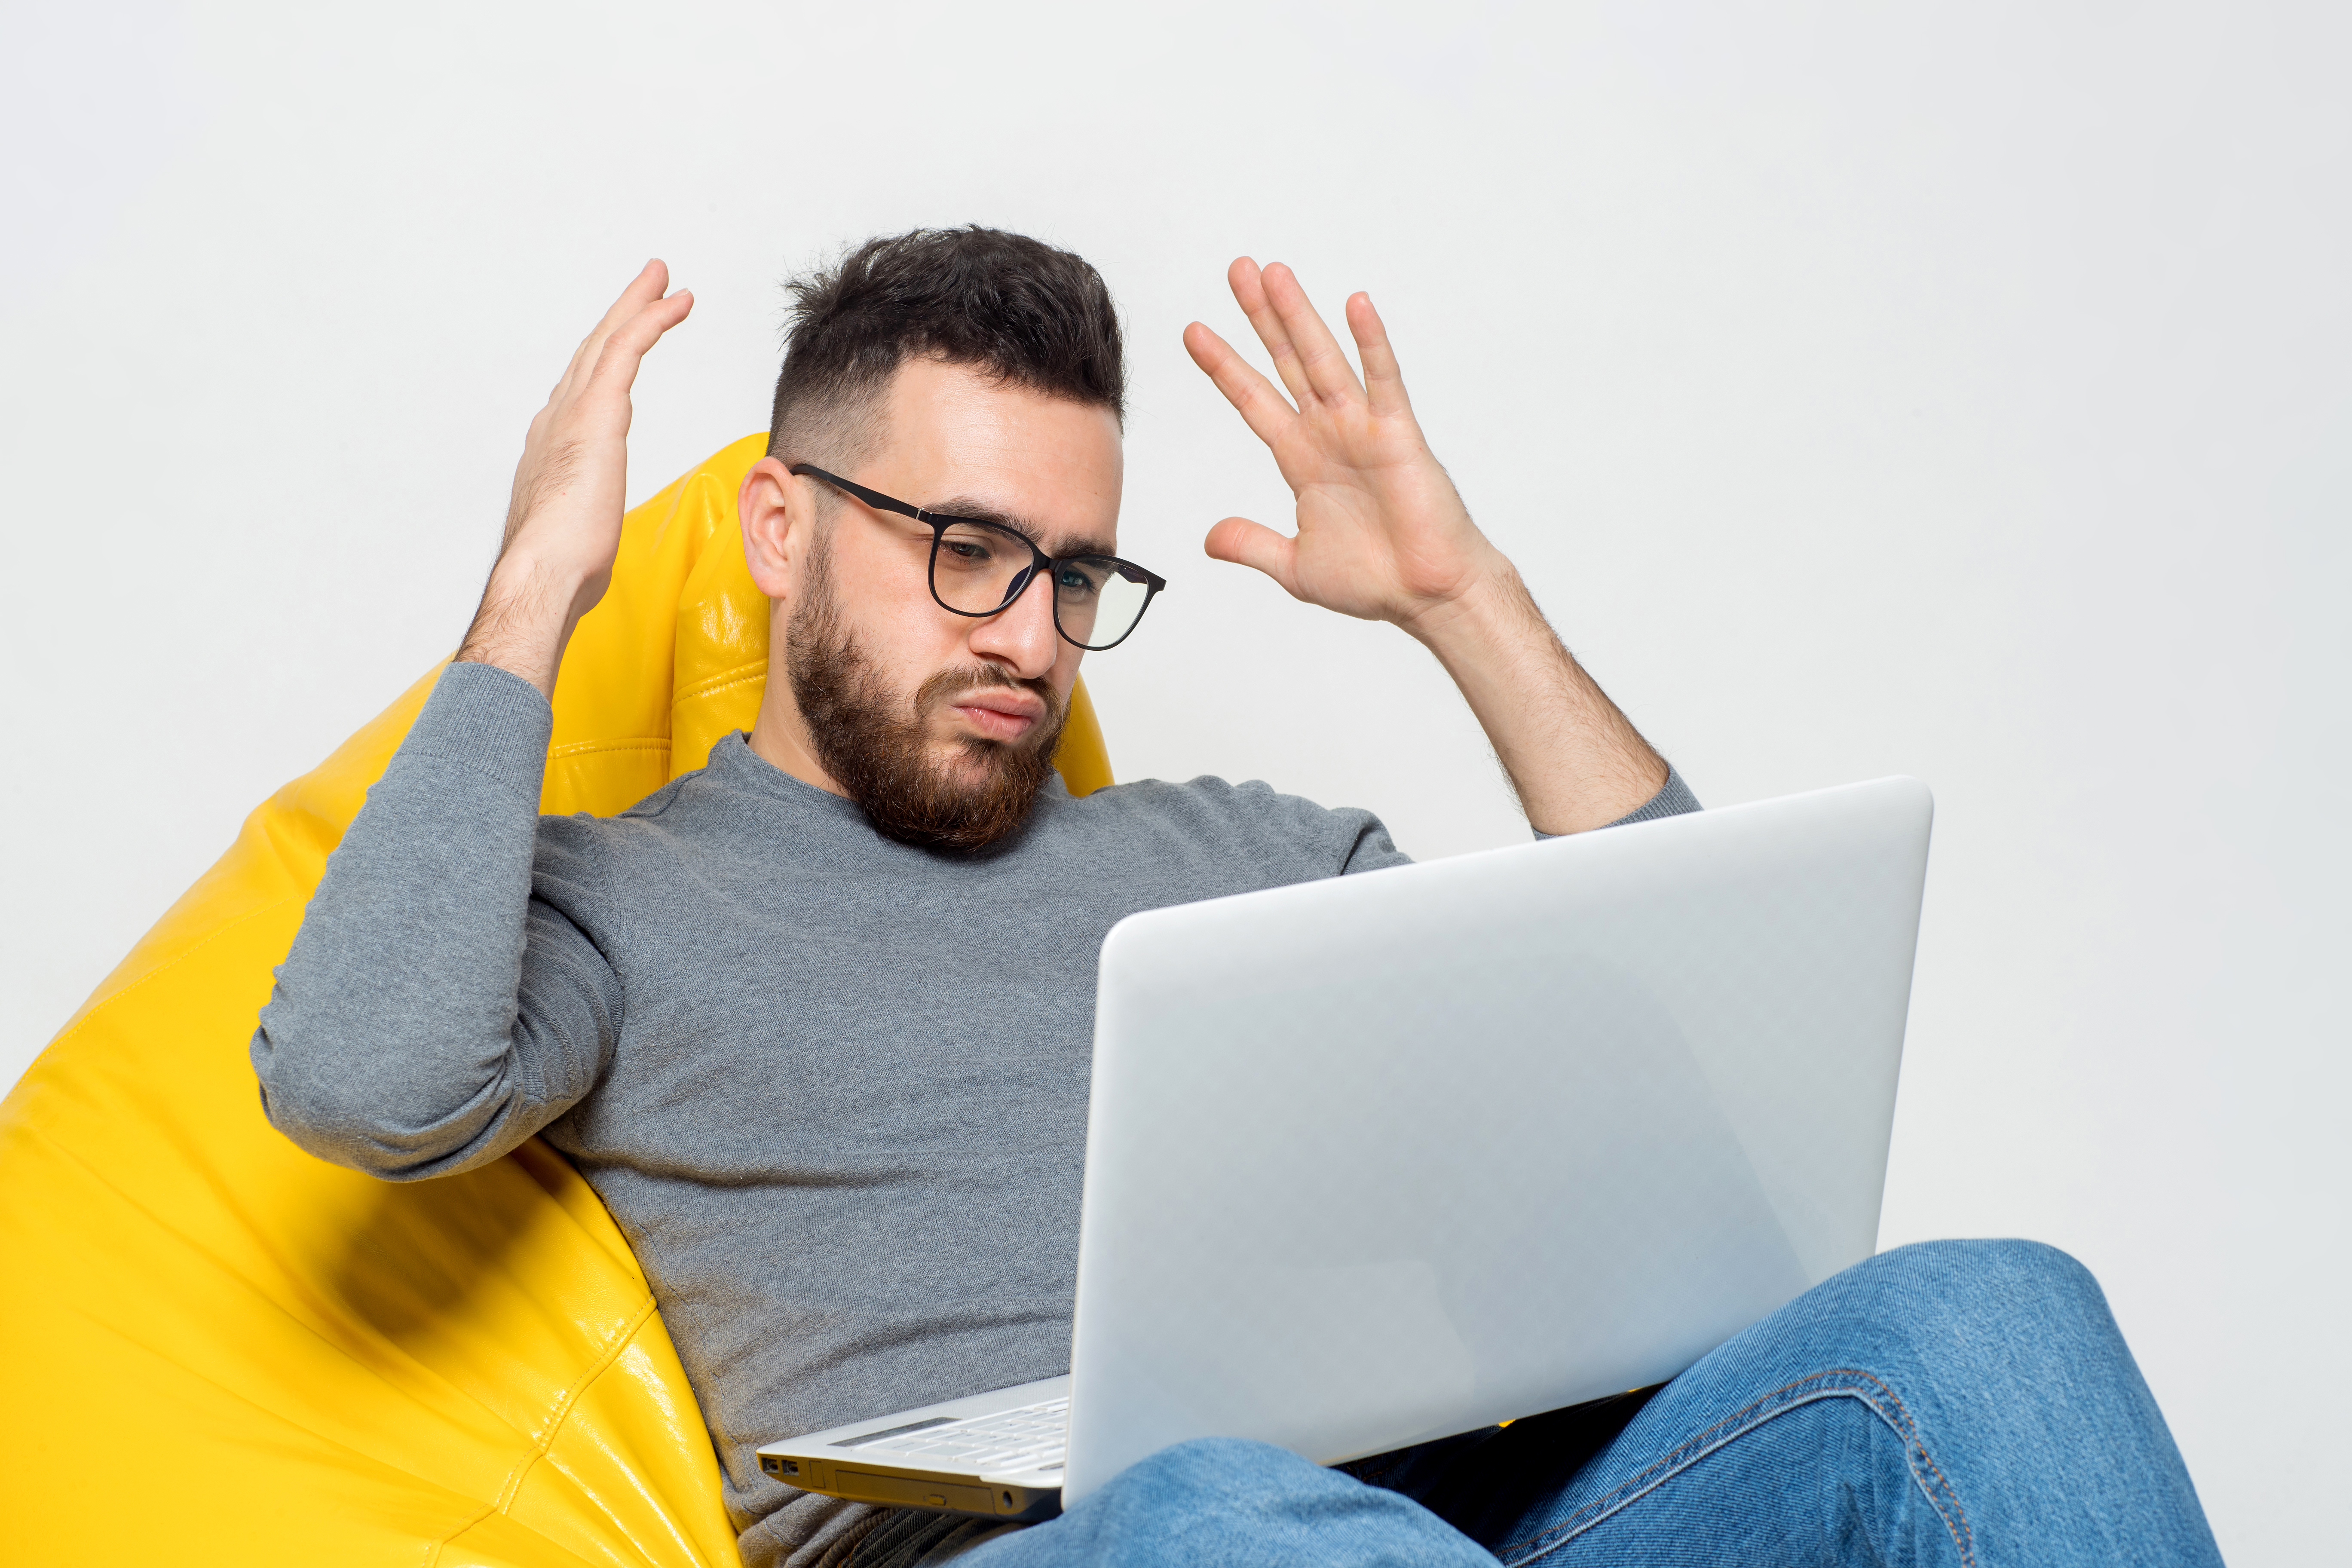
<point>979,568</point>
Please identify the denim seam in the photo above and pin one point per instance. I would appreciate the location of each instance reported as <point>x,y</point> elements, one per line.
<point>1804,1391</point>
<point>1374,1477</point>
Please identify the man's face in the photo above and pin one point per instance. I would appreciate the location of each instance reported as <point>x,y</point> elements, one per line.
<point>941,725</point>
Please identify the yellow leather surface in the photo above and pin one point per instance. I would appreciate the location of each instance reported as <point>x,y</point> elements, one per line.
<point>221,1350</point>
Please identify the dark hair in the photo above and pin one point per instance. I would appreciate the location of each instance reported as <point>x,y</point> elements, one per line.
<point>1024,311</point>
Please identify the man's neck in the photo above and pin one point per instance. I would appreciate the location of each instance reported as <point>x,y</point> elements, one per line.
<point>781,737</point>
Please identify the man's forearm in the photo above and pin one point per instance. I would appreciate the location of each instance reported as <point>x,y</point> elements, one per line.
<point>405,1036</point>
<point>525,620</point>
<point>393,1041</point>
<point>1576,761</point>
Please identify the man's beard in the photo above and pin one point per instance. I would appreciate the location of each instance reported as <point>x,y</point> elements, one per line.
<point>882,759</point>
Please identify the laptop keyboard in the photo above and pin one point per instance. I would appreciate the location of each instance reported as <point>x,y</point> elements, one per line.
<point>1034,1437</point>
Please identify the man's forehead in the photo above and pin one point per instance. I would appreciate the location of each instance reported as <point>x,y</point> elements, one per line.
<point>971,446</point>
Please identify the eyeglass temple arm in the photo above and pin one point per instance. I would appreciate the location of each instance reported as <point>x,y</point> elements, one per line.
<point>871,498</point>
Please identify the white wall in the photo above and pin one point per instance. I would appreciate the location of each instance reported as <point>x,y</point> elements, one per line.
<point>1954,390</point>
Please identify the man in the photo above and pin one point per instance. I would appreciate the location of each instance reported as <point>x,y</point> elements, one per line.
<point>815,1020</point>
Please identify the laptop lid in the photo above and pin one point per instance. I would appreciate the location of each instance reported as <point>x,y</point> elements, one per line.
<point>1384,1158</point>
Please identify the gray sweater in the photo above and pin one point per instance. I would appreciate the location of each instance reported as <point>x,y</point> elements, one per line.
<point>833,1088</point>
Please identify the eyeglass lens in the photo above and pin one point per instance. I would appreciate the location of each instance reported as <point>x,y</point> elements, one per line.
<point>978,570</point>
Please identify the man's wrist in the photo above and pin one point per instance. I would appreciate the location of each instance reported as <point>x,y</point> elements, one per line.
<point>525,618</point>
<point>1574,759</point>
<point>1493,604</point>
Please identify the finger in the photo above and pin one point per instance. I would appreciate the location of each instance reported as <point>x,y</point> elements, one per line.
<point>646,287</point>
<point>1321,356</point>
<point>1248,285</point>
<point>1383,382</point>
<point>624,349</point>
<point>643,290</point>
<point>1254,545</point>
<point>1266,411</point>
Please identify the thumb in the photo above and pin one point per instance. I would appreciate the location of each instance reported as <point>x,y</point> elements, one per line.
<point>1247,544</point>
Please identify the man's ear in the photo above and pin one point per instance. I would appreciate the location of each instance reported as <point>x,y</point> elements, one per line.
<point>778,516</point>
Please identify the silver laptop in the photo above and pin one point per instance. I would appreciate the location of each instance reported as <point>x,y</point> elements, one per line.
<point>1388,1157</point>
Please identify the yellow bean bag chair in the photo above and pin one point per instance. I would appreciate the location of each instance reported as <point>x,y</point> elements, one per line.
<point>221,1350</point>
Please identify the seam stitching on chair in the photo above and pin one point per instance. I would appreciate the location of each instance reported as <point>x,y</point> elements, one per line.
<point>78,1025</point>
<point>590,748</point>
<point>513,1488</point>
<point>722,685</point>
<point>711,685</point>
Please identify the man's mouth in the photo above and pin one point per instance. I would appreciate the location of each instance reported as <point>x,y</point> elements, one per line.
<point>999,713</point>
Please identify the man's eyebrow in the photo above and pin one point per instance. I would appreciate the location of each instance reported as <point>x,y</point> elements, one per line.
<point>981,512</point>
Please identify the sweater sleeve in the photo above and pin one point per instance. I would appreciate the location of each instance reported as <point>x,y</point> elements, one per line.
<point>434,1012</point>
<point>1674,799</point>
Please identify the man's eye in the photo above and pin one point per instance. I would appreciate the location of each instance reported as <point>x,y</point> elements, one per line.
<point>965,549</point>
<point>1075,579</point>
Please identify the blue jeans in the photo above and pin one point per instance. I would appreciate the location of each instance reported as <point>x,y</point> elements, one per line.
<point>1954,1403</point>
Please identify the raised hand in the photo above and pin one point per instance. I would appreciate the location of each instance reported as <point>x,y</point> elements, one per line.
<point>564,519</point>
<point>1382,534</point>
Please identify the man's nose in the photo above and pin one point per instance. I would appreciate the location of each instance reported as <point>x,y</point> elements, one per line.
<point>1021,637</point>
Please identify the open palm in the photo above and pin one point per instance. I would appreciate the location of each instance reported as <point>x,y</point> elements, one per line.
<point>1382,532</point>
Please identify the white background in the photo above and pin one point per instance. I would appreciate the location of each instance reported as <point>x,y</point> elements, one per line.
<point>1956,390</point>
